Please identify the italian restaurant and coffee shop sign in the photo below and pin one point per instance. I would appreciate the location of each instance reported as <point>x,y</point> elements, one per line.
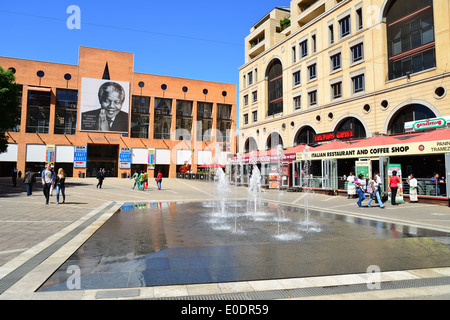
<point>407,149</point>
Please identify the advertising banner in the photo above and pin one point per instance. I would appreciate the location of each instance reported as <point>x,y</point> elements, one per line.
<point>104,105</point>
<point>364,168</point>
<point>125,158</point>
<point>50,154</point>
<point>151,158</point>
<point>397,167</point>
<point>80,157</point>
<point>274,177</point>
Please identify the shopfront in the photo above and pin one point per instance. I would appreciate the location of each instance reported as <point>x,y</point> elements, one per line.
<point>423,154</point>
<point>326,167</point>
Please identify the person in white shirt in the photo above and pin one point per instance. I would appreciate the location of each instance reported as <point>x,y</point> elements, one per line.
<point>351,189</point>
<point>412,188</point>
<point>375,187</point>
<point>47,177</point>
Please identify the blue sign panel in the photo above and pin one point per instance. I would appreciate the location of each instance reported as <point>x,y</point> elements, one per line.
<point>125,158</point>
<point>80,157</point>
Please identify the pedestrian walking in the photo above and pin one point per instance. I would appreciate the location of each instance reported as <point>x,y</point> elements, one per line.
<point>145,180</point>
<point>374,192</point>
<point>47,178</point>
<point>159,180</point>
<point>52,186</point>
<point>393,184</point>
<point>141,181</point>
<point>100,177</point>
<point>360,189</point>
<point>379,183</point>
<point>60,182</point>
<point>135,177</point>
<point>29,179</point>
<point>412,181</point>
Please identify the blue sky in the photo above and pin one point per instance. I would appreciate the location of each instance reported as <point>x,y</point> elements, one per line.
<point>201,40</point>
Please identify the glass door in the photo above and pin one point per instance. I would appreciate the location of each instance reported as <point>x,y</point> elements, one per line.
<point>329,174</point>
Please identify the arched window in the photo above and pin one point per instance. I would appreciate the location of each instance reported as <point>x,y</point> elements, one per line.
<point>274,140</point>
<point>250,145</point>
<point>412,112</point>
<point>275,87</point>
<point>410,37</point>
<point>354,125</point>
<point>305,136</point>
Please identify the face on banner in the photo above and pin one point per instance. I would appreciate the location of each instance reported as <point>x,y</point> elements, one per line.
<point>104,105</point>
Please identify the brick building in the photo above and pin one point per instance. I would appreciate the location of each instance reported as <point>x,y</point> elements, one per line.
<point>163,122</point>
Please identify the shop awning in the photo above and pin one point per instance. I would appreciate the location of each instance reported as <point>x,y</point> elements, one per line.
<point>214,165</point>
<point>416,143</point>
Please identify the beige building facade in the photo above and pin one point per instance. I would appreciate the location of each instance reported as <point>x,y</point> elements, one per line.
<point>362,67</point>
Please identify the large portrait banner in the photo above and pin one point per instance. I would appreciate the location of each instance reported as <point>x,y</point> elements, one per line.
<point>104,105</point>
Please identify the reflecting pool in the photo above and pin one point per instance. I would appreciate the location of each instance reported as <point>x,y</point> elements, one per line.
<point>167,243</point>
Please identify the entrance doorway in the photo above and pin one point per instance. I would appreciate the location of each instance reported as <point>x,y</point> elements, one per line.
<point>102,156</point>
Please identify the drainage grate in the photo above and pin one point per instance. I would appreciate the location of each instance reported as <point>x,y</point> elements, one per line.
<point>14,276</point>
<point>315,291</point>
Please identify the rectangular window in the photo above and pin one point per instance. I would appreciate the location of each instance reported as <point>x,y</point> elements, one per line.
<point>250,78</point>
<point>19,103</point>
<point>331,34</point>
<point>223,123</point>
<point>357,52</point>
<point>312,72</point>
<point>304,49</point>
<point>294,54</point>
<point>246,118</point>
<point>336,90</point>
<point>359,18</point>
<point>66,111</point>
<point>298,103</point>
<point>255,116</point>
<point>255,96</point>
<point>38,111</point>
<point>184,120</point>
<point>358,83</point>
<point>246,100</point>
<point>163,118</point>
<point>314,43</point>
<point>312,98</point>
<point>204,121</point>
<point>139,126</point>
<point>296,78</point>
<point>344,25</point>
<point>336,62</point>
<point>140,117</point>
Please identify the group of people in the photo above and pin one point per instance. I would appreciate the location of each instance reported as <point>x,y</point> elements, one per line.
<point>141,180</point>
<point>49,180</point>
<point>374,186</point>
<point>359,186</point>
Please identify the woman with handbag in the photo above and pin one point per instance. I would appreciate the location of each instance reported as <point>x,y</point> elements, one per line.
<point>374,192</point>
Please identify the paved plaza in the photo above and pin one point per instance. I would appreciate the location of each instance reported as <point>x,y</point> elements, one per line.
<point>36,239</point>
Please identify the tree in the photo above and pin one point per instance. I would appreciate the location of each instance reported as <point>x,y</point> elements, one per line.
<point>9,106</point>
